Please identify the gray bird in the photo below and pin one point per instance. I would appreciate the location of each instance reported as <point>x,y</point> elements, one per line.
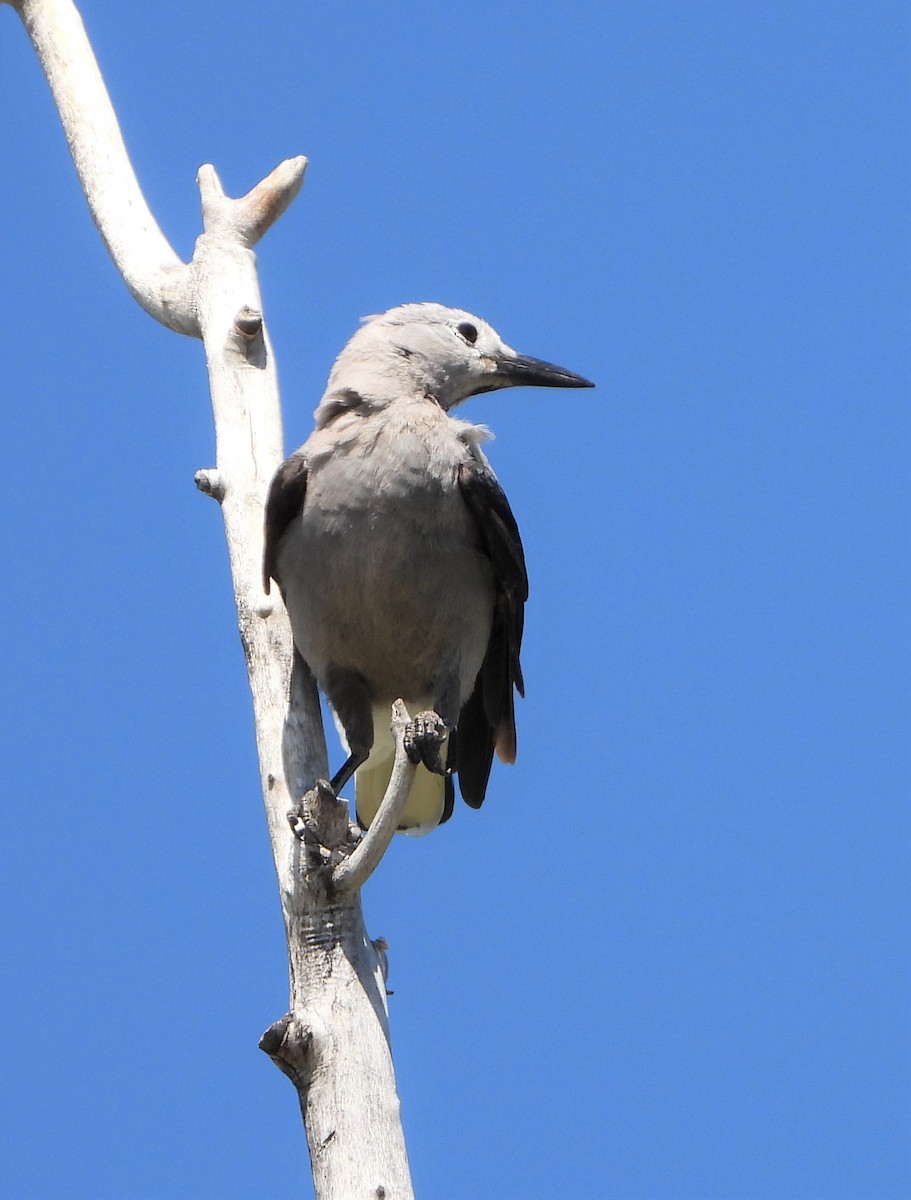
<point>399,558</point>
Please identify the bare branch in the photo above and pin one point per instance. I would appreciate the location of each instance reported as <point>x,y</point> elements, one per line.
<point>252,215</point>
<point>155,275</point>
<point>153,272</point>
<point>365,858</point>
<point>334,1043</point>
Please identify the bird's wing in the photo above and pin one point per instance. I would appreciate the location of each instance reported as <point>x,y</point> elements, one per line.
<point>487,721</point>
<point>285,501</point>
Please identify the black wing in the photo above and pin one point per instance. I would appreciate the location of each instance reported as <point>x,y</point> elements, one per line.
<point>487,721</point>
<point>285,501</point>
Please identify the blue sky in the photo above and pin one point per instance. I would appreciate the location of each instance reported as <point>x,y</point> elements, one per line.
<point>669,959</point>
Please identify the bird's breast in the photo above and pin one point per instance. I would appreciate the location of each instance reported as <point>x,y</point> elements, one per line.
<point>383,570</point>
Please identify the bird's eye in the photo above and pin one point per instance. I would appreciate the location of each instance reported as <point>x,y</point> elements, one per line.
<point>468,332</point>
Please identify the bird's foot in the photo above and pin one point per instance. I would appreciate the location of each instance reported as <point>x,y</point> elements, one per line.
<point>301,813</point>
<point>423,737</point>
<point>319,822</point>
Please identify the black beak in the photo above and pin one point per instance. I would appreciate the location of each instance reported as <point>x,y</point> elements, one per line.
<point>522,371</point>
<point>532,372</point>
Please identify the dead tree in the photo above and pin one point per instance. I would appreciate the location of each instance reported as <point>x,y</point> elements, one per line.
<point>334,1041</point>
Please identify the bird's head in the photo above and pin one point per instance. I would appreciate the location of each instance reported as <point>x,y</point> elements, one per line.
<point>443,352</point>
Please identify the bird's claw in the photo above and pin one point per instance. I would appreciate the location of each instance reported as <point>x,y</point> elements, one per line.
<point>423,737</point>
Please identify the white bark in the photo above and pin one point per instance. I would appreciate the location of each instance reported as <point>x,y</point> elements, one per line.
<point>334,1041</point>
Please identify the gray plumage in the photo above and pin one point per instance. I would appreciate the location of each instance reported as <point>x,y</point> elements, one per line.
<point>397,553</point>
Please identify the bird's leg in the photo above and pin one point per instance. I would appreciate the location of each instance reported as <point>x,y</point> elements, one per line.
<point>423,738</point>
<point>350,696</point>
<point>350,765</point>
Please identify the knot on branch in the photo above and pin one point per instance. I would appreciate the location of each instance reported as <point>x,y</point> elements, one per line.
<point>289,1043</point>
<point>249,338</point>
<point>249,322</point>
<point>264,607</point>
<point>210,483</point>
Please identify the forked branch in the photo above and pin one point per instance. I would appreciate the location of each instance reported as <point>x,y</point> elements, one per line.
<point>335,1039</point>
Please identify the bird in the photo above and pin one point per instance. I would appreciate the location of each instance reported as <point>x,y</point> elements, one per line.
<point>399,559</point>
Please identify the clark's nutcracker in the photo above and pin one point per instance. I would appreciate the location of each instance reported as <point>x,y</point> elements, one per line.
<point>399,558</point>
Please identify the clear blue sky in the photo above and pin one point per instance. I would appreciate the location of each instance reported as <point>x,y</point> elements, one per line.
<point>669,959</point>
